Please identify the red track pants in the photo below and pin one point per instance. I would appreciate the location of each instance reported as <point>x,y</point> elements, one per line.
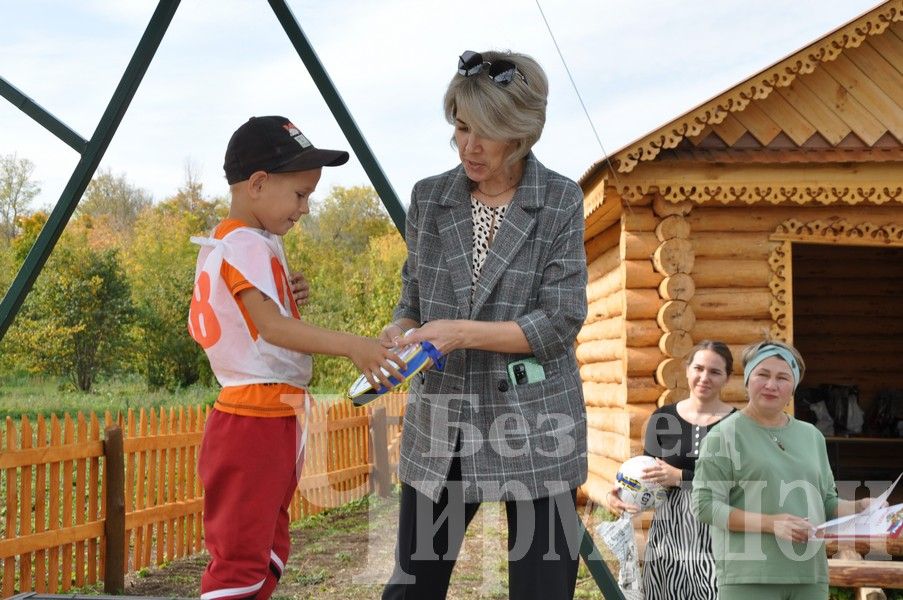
<point>249,467</point>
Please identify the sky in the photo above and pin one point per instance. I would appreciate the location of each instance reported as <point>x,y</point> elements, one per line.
<point>637,64</point>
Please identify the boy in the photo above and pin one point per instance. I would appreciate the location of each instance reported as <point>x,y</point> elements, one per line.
<point>244,314</point>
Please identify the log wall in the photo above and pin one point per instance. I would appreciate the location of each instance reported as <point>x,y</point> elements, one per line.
<point>601,353</point>
<point>675,259</point>
<point>681,273</point>
<point>636,262</point>
<point>652,250</point>
<point>843,296</point>
<point>731,275</point>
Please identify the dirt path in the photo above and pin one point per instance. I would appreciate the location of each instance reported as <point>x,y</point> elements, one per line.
<point>346,554</point>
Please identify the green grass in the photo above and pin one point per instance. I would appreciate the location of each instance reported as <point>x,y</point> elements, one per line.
<point>31,396</point>
<point>345,518</point>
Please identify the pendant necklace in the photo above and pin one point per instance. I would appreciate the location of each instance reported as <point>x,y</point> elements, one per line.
<point>508,189</point>
<point>775,439</point>
<point>771,434</point>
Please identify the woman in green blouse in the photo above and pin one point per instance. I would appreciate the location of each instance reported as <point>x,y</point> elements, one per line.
<point>763,483</point>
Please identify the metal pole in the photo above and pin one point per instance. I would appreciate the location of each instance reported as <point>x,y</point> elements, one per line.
<point>44,118</point>
<point>597,567</point>
<point>340,112</point>
<point>90,159</point>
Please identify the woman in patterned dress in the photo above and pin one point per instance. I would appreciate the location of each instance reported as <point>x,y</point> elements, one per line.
<point>678,560</point>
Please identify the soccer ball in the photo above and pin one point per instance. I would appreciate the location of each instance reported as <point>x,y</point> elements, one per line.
<point>634,490</point>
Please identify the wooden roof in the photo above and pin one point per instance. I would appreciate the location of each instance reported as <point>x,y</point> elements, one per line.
<point>839,99</point>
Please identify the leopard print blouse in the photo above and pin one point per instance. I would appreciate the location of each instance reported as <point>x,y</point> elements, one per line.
<point>486,223</point>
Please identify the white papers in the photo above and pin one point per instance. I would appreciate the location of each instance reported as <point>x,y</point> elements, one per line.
<point>619,537</point>
<point>875,521</point>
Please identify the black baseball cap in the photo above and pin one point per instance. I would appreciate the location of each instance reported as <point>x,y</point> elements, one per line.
<point>273,144</point>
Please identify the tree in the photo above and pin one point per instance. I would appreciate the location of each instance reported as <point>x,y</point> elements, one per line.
<point>113,202</point>
<point>8,266</point>
<point>190,200</point>
<point>348,218</point>
<point>17,190</point>
<point>76,320</point>
<point>28,228</point>
<point>351,254</point>
<point>160,261</point>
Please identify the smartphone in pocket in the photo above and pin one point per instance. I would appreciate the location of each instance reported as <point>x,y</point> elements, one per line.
<point>524,371</point>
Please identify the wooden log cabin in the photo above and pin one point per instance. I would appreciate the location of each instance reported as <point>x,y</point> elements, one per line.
<point>775,207</point>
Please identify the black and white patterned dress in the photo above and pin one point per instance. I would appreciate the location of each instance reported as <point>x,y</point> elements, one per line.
<point>486,223</point>
<point>678,563</point>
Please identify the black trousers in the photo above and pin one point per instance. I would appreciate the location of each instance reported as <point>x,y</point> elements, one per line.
<point>543,544</point>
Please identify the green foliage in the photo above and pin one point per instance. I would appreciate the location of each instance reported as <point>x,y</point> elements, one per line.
<point>114,295</point>
<point>75,320</point>
<point>29,227</point>
<point>160,262</point>
<point>17,190</point>
<point>346,220</point>
<point>352,255</point>
<point>204,213</point>
<point>8,265</point>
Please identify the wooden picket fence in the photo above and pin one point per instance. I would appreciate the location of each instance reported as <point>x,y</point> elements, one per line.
<point>54,487</point>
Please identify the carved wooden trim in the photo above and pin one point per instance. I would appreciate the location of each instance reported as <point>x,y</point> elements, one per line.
<point>751,194</point>
<point>781,286</point>
<point>840,231</point>
<point>821,231</point>
<point>760,86</point>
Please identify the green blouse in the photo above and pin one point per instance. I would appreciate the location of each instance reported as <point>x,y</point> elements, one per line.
<point>769,470</point>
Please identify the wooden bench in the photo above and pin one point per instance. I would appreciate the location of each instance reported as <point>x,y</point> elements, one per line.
<point>871,577</point>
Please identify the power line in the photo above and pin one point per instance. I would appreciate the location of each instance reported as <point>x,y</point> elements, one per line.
<point>577,91</point>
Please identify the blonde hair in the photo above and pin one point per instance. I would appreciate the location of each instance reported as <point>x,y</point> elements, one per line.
<point>515,112</point>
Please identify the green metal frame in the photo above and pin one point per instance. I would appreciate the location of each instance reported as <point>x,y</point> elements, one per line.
<point>605,581</point>
<point>92,152</point>
<point>331,95</point>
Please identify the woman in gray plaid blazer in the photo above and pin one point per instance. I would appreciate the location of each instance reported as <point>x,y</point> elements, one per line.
<point>495,278</point>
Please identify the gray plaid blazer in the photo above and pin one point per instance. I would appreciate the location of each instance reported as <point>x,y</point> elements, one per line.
<point>517,442</point>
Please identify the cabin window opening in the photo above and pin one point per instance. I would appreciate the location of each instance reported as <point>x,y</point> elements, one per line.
<point>847,307</point>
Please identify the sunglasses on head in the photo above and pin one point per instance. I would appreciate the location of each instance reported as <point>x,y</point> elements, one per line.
<point>501,71</point>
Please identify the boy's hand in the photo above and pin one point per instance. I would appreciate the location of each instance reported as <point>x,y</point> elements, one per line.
<point>370,357</point>
<point>300,288</point>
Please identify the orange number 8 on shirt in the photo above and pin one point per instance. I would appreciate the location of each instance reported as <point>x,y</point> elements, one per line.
<point>202,323</point>
<point>282,286</point>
